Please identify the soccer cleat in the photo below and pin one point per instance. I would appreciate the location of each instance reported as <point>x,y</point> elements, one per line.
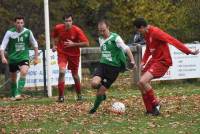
<point>60,99</point>
<point>18,97</point>
<point>92,111</point>
<point>147,113</point>
<point>12,99</point>
<point>79,98</point>
<point>156,110</point>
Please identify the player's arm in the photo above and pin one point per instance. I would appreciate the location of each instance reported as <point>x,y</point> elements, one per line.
<point>83,40</point>
<point>54,39</point>
<point>70,43</point>
<point>160,35</point>
<point>126,49</point>
<point>3,47</point>
<point>35,46</point>
<point>146,56</point>
<point>54,42</point>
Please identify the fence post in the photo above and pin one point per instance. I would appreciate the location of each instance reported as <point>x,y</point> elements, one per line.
<point>44,72</point>
<point>138,57</point>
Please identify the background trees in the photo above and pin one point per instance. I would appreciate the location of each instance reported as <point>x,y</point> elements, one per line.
<point>178,17</point>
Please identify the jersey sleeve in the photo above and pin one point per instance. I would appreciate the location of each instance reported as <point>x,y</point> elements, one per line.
<point>160,35</point>
<point>81,36</point>
<point>32,40</point>
<point>5,41</point>
<point>120,43</point>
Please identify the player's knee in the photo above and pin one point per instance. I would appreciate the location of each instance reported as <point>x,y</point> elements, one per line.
<point>140,83</point>
<point>61,74</point>
<point>23,72</point>
<point>76,77</point>
<point>95,85</point>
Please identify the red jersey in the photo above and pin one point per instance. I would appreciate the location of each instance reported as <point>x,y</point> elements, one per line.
<point>74,34</point>
<point>157,46</point>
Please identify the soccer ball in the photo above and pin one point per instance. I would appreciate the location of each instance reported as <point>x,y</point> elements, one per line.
<point>118,107</point>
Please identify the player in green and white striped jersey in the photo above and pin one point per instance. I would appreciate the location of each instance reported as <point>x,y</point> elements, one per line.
<point>112,62</point>
<point>17,42</point>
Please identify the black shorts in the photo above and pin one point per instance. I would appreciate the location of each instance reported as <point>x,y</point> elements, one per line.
<point>15,67</point>
<point>107,73</point>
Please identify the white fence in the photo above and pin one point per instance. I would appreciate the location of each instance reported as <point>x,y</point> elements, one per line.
<point>184,66</point>
<point>35,74</point>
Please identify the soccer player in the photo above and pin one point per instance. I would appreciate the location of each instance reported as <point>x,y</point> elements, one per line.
<point>156,60</point>
<point>67,40</point>
<point>112,61</point>
<point>17,40</point>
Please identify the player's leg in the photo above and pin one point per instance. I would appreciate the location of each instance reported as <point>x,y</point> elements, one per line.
<point>73,64</point>
<point>13,78</point>
<point>100,95</point>
<point>13,68</point>
<point>144,86</point>
<point>97,84</point>
<point>156,70</point>
<point>104,77</point>
<point>23,69</point>
<point>62,62</point>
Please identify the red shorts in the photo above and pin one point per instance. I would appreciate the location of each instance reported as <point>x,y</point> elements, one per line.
<point>157,69</point>
<point>72,62</point>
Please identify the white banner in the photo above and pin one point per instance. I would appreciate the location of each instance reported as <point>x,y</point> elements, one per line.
<point>184,66</point>
<point>35,73</point>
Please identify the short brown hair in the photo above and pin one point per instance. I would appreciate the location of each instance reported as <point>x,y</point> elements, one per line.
<point>19,17</point>
<point>67,16</point>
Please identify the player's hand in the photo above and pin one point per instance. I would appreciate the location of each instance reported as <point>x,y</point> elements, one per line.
<point>142,66</point>
<point>35,61</point>
<point>195,52</point>
<point>133,65</point>
<point>69,43</point>
<point>4,61</point>
<point>54,48</point>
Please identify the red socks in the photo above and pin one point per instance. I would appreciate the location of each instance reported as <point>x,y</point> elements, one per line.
<point>151,97</point>
<point>150,100</point>
<point>78,87</point>
<point>147,103</point>
<point>61,87</point>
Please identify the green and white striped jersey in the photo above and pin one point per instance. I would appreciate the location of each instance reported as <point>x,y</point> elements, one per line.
<point>18,44</point>
<point>113,50</point>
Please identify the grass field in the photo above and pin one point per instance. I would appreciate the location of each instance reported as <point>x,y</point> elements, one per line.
<point>180,113</point>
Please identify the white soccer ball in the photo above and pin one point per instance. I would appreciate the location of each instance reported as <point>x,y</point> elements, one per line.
<point>118,107</point>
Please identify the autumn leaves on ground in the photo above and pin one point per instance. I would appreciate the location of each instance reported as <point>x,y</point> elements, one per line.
<point>180,113</point>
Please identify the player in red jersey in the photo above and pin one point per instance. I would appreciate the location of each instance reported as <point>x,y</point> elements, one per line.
<point>156,65</point>
<point>67,40</point>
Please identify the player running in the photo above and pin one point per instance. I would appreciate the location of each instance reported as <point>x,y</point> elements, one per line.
<point>67,40</point>
<point>17,40</point>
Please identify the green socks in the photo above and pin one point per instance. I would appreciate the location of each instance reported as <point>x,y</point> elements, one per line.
<point>97,102</point>
<point>17,91</point>
<point>13,89</point>
<point>21,84</point>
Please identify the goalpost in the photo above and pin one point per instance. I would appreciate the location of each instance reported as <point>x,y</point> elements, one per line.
<point>47,39</point>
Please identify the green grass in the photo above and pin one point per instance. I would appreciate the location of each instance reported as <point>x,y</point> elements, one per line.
<point>180,113</point>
